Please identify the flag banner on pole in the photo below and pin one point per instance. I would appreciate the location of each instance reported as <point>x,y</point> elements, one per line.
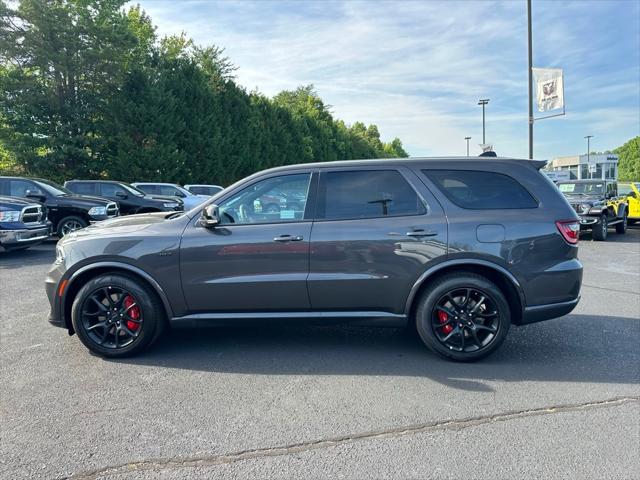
<point>549,88</point>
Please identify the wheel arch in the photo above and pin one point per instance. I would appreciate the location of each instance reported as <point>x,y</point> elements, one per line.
<point>79,278</point>
<point>504,279</point>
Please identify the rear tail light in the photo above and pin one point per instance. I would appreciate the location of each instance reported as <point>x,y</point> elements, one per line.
<point>570,230</point>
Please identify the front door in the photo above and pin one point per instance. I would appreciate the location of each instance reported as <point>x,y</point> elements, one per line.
<point>376,232</point>
<point>257,258</point>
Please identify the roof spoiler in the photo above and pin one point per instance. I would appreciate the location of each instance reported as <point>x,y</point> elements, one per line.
<point>538,164</point>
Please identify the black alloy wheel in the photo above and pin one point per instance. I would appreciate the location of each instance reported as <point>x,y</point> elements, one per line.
<point>116,315</point>
<point>465,320</point>
<point>111,317</point>
<point>463,316</point>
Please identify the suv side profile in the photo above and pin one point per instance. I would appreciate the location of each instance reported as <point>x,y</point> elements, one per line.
<point>130,199</point>
<point>459,248</point>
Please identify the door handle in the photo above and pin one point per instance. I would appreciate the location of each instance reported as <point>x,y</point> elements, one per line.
<point>288,238</point>
<point>420,233</point>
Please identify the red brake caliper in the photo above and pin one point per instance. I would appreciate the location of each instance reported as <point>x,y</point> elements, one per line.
<point>442,318</point>
<point>134,313</point>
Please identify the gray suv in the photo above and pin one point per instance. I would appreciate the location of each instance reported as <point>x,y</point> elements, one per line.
<point>457,248</point>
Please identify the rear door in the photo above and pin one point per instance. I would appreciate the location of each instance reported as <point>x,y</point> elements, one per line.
<point>375,231</point>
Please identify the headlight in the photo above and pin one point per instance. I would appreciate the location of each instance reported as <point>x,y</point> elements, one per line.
<point>585,207</point>
<point>59,254</point>
<point>95,211</point>
<point>170,205</point>
<point>10,216</point>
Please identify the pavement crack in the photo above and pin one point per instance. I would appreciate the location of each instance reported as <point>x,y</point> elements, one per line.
<point>222,459</point>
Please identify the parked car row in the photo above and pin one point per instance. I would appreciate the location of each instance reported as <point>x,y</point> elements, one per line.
<point>31,209</point>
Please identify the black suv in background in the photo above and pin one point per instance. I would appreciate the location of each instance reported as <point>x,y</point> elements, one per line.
<point>23,223</point>
<point>129,198</point>
<point>456,247</point>
<point>66,210</point>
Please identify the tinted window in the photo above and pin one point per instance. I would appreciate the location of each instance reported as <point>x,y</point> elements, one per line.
<point>169,190</point>
<point>273,200</point>
<point>481,190</point>
<point>205,190</point>
<point>110,190</point>
<point>148,188</point>
<point>22,188</point>
<point>83,188</point>
<point>367,194</point>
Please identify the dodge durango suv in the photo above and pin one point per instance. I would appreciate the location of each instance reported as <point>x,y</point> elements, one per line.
<point>457,248</point>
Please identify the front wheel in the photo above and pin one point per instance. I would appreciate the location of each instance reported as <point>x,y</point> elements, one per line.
<point>116,316</point>
<point>70,224</point>
<point>463,317</point>
<point>600,229</point>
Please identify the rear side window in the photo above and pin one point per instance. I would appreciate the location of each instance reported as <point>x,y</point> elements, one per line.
<point>366,194</point>
<point>479,190</point>
<point>82,188</point>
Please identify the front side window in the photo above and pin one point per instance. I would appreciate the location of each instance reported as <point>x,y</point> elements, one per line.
<point>366,194</point>
<point>169,190</point>
<point>110,190</point>
<point>22,188</point>
<point>478,190</point>
<point>273,200</point>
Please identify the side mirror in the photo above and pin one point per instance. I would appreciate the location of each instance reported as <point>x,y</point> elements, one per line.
<point>181,195</point>
<point>210,216</point>
<point>36,196</point>
<point>121,195</point>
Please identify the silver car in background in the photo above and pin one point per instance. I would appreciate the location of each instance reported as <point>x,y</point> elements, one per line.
<point>190,199</point>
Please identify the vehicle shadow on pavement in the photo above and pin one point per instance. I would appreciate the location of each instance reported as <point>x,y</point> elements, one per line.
<point>576,348</point>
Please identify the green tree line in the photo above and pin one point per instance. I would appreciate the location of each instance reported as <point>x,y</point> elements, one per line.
<point>88,90</point>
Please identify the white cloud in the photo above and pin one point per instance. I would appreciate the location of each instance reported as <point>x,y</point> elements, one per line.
<point>417,69</point>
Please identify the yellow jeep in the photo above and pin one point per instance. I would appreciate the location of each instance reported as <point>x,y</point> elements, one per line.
<point>631,190</point>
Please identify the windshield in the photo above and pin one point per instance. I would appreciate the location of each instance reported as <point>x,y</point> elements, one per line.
<point>133,190</point>
<point>595,188</point>
<point>53,188</point>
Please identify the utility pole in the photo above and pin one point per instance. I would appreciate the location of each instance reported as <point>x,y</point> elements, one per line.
<point>467,139</point>
<point>483,102</point>
<point>589,137</point>
<point>530,81</point>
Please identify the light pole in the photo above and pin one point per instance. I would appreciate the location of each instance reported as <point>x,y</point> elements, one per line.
<point>589,137</point>
<point>483,102</point>
<point>467,139</point>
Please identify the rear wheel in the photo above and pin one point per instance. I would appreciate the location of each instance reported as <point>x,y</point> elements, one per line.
<point>70,224</point>
<point>116,316</point>
<point>600,229</point>
<point>463,316</point>
<point>622,226</point>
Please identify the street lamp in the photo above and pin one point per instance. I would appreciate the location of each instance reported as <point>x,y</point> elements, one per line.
<point>483,102</point>
<point>467,139</point>
<point>589,137</point>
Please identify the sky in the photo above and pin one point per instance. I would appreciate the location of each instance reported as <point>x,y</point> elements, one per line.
<point>418,68</point>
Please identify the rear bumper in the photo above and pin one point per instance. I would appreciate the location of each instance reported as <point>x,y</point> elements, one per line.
<point>539,313</point>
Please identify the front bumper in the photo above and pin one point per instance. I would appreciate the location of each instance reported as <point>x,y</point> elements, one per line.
<point>51,286</point>
<point>588,221</point>
<point>22,237</point>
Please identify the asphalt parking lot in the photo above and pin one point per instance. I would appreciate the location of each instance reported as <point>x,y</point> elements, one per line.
<point>560,399</point>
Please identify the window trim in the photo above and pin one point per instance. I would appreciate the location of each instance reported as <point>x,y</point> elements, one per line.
<point>440,190</point>
<point>311,197</point>
<point>367,168</point>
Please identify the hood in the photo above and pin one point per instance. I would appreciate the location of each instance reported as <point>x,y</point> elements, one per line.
<point>122,225</point>
<point>15,203</point>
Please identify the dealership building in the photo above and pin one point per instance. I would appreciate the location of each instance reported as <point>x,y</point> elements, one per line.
<point>600,166</point>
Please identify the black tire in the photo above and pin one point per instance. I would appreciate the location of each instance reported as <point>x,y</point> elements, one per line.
<point>600,229</point>
<point>69,224</point>
<point>151,316</point>
<point>622,226</point>
<point>429,307</point>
